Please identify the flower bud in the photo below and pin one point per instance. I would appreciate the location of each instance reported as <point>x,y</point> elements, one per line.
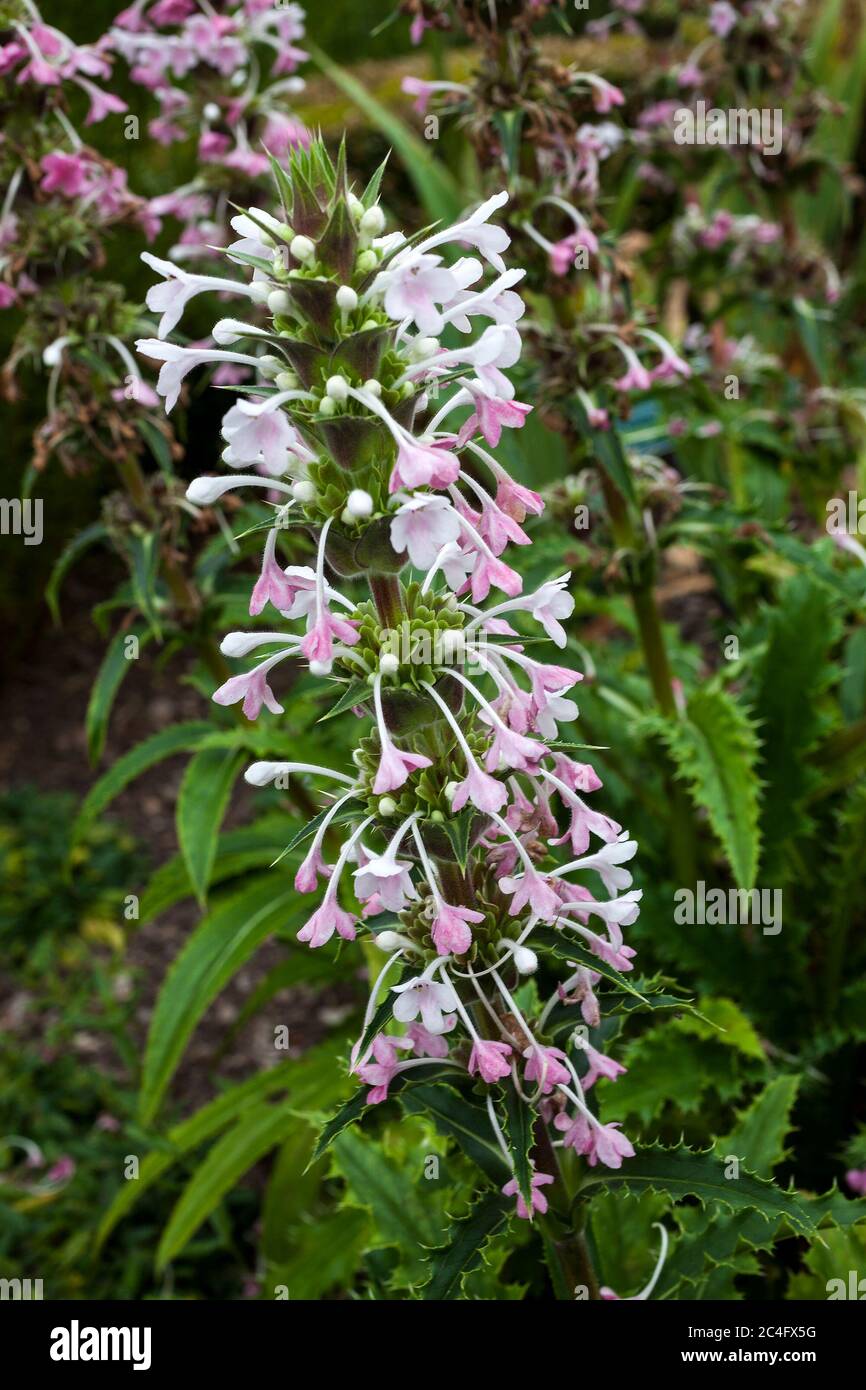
<point>302,248</point>
<point>450,789</point>
<point>270,365</point>
<point>337,388</point>
<point>347,300</point>
<point>359,503</point>
<point>373,386</point>
<point>211,111</point>
<point>373,221</point>
<point>320,668</point>
<point>525,960</point>
<point>287,381</point>
<point>327,406</point>
<point>303,490</point>
<point>425,347</point>
<point>278,302</point>
<point>259,291</point>
<point>367,261</point>
<point>389,664</point>
<point>387,806</point>
<point>392,941</point>
<point>452,642</point>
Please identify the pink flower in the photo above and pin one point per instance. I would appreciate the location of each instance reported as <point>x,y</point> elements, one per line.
<point>539,1201</point>
<point>394,768</point>
<point>327,919</point>
<point>550,603</point>
<point>491,415</point>
<point>451,935</point>
<point>253,689</point>
<point>274,585</point>
<point>609,1146</point>
<point>414,290</point>
<point>423,465</point>
<point>62,1170</point>
<point>492,573</point>
<point>599,1065</point>
<point>723,18</point>
<point>577,1132</point>
<point>531,888</point>
<point>102,103</point>
<point>605,96</point>
<point>856,1180</point>
<point>430,1044</point>
<point>487,1059</point>
<point>542,1066</point>
<point>485,792</point>
<point>381,1073</point>
<point>8,297</point>
<point>307,877</point>
<point>64,173</point>
<point>516,500</point>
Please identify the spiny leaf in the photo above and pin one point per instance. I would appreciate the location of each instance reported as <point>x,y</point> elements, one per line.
<point>464,1250</point>
<point>715,750</point>
<point>518,1133</point>
<point>758,1138</point>
<point>685,1173</point>
<point>460,1120</point>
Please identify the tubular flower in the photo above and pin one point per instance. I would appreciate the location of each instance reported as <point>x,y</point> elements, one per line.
<point>459,797</point>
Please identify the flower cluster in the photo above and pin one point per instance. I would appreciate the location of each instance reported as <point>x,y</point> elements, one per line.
<point>221,75</point>
<point>380,389</point>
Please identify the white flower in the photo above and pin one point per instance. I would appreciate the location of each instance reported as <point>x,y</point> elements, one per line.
<point>423,525</point>
<point>433,1001</point>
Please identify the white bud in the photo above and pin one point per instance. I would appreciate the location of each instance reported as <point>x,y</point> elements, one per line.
<point>525,960</point>
<point>278,302</point>
<point>359,503</point>
<point>387,806</point>
<point>452,641</point>
<point>286,381</point>
<point>302,248</point>
<point>367,261</point>
<point>425,347</point>
<point>373,386</point>
<point>327,406</point>
<point>450,789</point>
<point>393,941</point>
<point>259,291</point>
<point>303,490</point>
<point>211,111</point>
<point>347,300</point>
<point>357,757</point>
<point>356,207</point>
<point>337,388</point>
<point>270,365</point>
<point>373,221</point>
<point>389,664</point>
<point>320,668</point>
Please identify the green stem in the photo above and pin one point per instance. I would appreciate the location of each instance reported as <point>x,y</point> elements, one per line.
<point>388,598</point>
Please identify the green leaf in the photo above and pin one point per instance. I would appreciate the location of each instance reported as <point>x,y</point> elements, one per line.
<point>758,1138</point>
<point>607,448</point>
<point>347,1114</point>
<point>143,549</point>
<point>789,680</point>
<point>464,1250</point>
<point>179,738</point>
<point>264,1126</point>
<point>115,665</point>
<point>70,553</point>
<point>201,804</point>
<point>715,750</point>
<point>440,196</point>
<point>249,847</point>
<point>518,1133</point>
<point>221,943</point>
<point>403,1215</point>
<point>354,694</point>
<point>460,1120</point>
<point>458,829</point>
<point>685,1173</point>
<point>157,444</point>
<point>208,1121</point>
<point>326,1256</point>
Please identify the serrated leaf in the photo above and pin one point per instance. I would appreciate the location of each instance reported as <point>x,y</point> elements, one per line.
<point>458,828</point>
<point>201,804</point>
<point>758,1138</point>
<point>715,751</point>
<point>518,1134</point>
<point>402,1216</point>
<point>463,1252</point>
<point>683,1173</point>
<point>326,1256</point>
<point>567,948</point>
<point>456,1117</point>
